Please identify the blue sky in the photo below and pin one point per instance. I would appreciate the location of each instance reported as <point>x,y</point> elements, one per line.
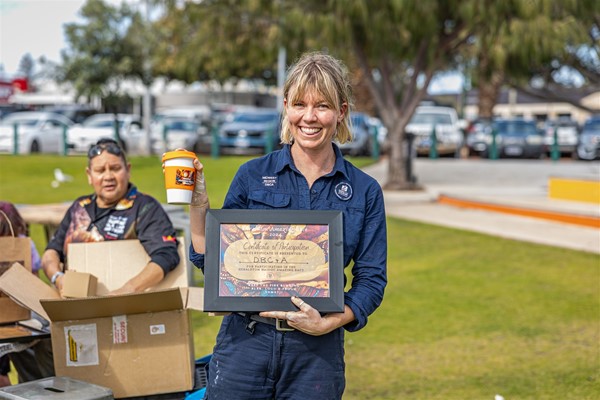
<point>34,27</point>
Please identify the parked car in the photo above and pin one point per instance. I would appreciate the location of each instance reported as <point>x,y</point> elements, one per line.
<point>75,112</point>
<point>361,144</point>
<point>200,113</point>
<point>249,130</point>
<point>516,137</point>
<point>129,132</point>
<point>448,130</point>
<point>477,136</point>
<point>588,147</point>
<point>186,133</point>
<point>38,132</point>
<point>380,132</point>
<point>567,135</point>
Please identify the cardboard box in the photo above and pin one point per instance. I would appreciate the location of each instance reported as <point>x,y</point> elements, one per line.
<point>11,311</point>
<point>114,263</point>
<point>137,344</point>
<point>13,250</point>
<point>79,284</point>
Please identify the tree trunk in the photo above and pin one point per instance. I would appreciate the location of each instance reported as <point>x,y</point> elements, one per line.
<point>398,163</point>
<point>490,83</point>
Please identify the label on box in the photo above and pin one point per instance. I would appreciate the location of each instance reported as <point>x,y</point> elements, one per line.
<point>158,329</point>
<point>81,345</point>
<point>119,324</point>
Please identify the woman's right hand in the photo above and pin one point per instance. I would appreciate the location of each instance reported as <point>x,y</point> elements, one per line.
<point>199,196</point>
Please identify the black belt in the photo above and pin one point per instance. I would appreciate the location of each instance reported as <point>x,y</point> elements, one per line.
<point>279,324</point>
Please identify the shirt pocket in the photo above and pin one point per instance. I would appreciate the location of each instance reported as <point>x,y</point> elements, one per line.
<point>263,199</point>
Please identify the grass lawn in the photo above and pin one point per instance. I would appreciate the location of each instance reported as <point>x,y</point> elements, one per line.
<point>465,315</point>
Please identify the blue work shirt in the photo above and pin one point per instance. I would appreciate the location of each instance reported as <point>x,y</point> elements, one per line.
<point>274,182</point>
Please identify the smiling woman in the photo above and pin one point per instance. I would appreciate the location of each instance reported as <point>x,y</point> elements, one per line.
<point>308,174</point>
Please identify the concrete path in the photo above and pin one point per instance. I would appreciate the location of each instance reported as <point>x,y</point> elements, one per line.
<point>516,183</point>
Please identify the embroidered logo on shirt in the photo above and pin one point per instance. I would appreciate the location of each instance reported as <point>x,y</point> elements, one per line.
<point>115,226</point>
<point>343,191</point>
<point>269,180</point>
<point>168,238</point>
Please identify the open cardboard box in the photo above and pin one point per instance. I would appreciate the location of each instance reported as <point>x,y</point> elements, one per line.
<point>136,344</point>
<point>13,250</point>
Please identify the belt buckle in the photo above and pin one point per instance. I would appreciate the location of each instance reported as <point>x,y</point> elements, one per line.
<point>282,325</point>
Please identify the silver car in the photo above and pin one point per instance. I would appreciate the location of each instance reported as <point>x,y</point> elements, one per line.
<point>170,133</point>
<point>37,132</point>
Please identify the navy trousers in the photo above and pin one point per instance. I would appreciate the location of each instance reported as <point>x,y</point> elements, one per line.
<point>264,363</point>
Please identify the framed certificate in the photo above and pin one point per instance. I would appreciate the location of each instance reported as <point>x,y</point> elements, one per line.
<point>257,259</point>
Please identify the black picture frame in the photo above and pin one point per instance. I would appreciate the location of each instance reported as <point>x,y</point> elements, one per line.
<point>224,292</point>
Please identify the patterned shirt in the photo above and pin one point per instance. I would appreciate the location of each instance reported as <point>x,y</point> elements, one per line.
<point>136,216</point>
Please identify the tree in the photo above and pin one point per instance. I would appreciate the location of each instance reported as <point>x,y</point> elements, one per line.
<point>26,66</point>
<point>398,47</point>
<point>533,39</point>
<point>219,41</point>
<point>104,50</point>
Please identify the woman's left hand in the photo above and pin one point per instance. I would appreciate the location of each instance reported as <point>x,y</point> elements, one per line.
<point>307,319</point>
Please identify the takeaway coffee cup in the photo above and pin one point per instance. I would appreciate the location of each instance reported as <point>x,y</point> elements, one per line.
<point>180,176</point>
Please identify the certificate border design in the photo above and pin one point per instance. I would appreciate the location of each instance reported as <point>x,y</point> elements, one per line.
<point>215,217</point>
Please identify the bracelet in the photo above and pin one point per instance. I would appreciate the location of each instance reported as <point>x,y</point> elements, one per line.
<point>55,277</point>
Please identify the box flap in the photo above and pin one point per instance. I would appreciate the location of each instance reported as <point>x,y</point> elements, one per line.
<point>108,306</point>
<point>115,262</point>
<point>195,298</point>
<point>26,289</point>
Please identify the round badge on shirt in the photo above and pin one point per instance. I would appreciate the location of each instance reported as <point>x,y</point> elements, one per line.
<point>343,191</point>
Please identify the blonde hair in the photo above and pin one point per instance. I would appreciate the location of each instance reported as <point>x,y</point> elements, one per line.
<point>326,76</point>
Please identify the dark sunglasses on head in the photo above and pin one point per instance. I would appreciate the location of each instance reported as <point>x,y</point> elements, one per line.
<point>109,145</point>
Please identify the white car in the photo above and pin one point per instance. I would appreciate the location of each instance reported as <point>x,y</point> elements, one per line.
<point>567,136</point>
<point>100,126</point>
<point>448,130</point>
<point>38,132</point>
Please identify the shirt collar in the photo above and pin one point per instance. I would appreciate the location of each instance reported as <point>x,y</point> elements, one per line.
<point>125,203</point>
<point>284,160</point>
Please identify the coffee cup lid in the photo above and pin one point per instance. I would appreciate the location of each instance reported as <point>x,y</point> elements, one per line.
<point>169,155</point>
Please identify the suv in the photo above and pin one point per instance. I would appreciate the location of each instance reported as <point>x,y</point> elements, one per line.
<point>249,131</point>
<point>515,137</point>
<point>448,130</point>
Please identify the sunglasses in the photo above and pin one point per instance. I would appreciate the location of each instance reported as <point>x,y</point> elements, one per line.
<point>106,145</point>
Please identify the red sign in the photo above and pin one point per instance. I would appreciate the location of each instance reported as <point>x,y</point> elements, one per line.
<point>9,87</point>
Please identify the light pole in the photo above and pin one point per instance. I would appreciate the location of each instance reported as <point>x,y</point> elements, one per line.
<point>146,101</point>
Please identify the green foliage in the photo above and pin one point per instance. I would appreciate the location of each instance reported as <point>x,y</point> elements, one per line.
<point>111,45</point>
<point>219,40</point>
